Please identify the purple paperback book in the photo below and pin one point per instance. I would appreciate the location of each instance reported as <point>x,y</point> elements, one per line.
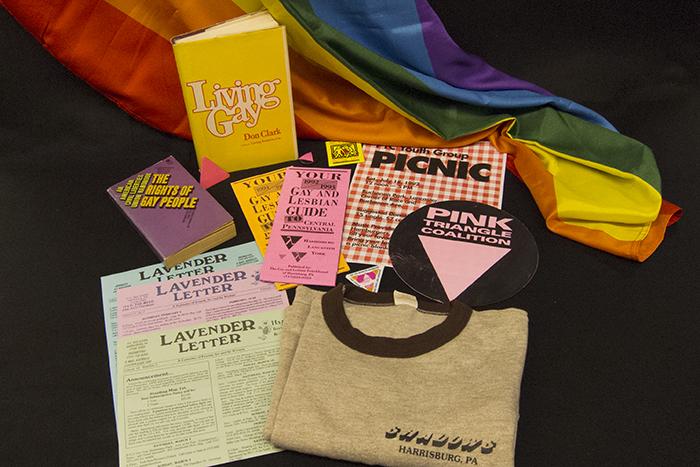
<point>169,208</point>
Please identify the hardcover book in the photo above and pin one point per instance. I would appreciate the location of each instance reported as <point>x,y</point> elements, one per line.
<point>237,90</point>
<point>177,217</point>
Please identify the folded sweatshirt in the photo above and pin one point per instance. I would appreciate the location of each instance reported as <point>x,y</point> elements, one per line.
<point>365,380</point>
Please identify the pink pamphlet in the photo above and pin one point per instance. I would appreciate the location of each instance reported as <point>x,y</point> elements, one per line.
<point>305,242</point>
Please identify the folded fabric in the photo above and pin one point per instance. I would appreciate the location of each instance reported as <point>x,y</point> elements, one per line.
<point>365,380</point>
<point>382,73</point>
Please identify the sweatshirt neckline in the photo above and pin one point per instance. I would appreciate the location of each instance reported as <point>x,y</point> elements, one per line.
<point>336,319</point>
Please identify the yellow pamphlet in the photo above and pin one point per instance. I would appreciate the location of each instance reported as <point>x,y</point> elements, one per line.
<point>258,196</point>
<point>237,91</point>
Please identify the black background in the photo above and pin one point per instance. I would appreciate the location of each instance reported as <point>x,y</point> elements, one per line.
<point>612,365</point>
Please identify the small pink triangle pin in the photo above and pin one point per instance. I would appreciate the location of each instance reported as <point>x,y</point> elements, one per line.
<point>368,279</point>
<point>307,157</point>
<point>210,174</point>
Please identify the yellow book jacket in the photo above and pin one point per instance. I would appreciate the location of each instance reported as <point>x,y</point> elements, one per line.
<point>238,97</point>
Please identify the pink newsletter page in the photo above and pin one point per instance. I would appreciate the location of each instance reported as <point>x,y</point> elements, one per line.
<point>305,242</point>
<point>195,299</point>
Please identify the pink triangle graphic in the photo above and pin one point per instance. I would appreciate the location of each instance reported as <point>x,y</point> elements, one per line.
<point>459,264</point>
<point>210,174</point>
<point>307,157</point>
<point>368,279</point>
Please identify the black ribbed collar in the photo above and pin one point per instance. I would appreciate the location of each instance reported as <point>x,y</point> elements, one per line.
<point>457,317</point>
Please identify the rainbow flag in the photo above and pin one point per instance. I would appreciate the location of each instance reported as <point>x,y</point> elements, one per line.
<point>383,73</point>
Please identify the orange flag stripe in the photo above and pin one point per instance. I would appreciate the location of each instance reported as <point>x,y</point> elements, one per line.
<point>168,18</point>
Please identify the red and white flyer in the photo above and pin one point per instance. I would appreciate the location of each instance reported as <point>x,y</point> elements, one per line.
<point>304,245</point>
<point>394,181</point>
